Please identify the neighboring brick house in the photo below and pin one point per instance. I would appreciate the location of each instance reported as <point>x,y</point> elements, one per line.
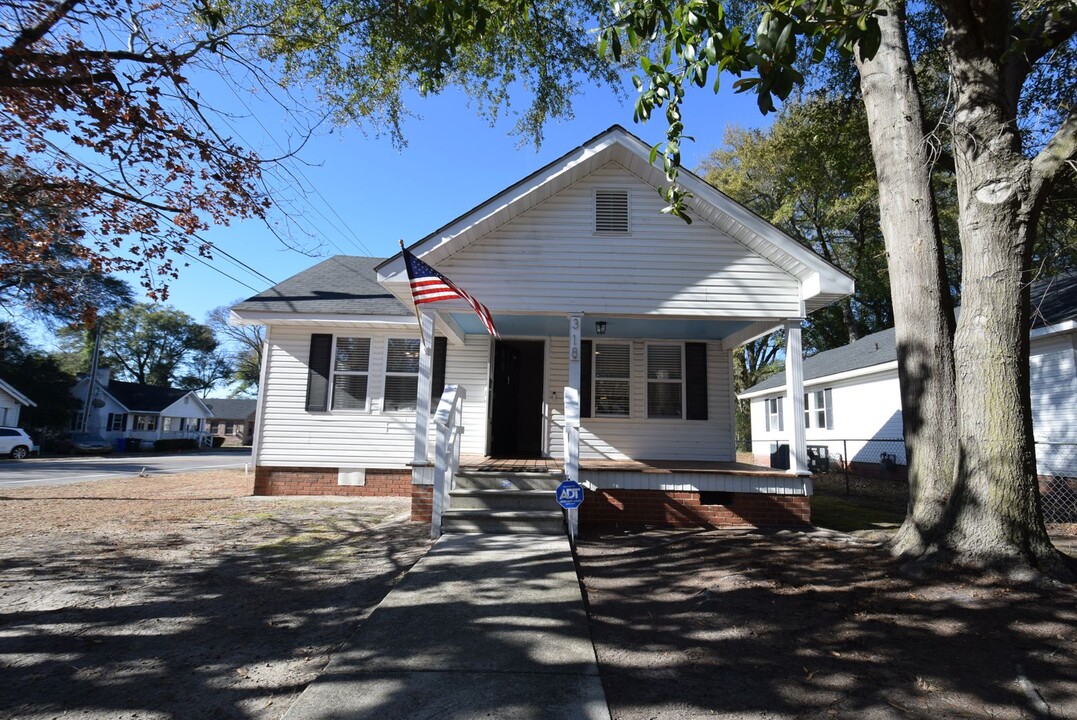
<point>598,296</point>
<point>232,419</point>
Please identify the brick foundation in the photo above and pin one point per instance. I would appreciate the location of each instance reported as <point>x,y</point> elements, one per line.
<point>422,503</point>
<point>323,481</point>
<point>628,508</point>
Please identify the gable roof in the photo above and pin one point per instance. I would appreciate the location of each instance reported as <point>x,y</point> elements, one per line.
<point>1054,301</point>
<point>341,285</point>
<point>19,397</point>
<point>821,282</point>
<point>148,398</point>
<point>231,408</point>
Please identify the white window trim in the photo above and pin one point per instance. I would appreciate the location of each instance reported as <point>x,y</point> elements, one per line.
<point>333,376</point>
<point>773,419</point>
<point>386,374</point>
<point>648,380</point>
<point>594,379</point>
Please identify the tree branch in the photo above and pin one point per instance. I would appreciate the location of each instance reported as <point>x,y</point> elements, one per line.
<point>1060,149</point>
<point>31,35</point>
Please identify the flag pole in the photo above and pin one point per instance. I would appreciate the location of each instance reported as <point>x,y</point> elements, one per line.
<point>414,304</point>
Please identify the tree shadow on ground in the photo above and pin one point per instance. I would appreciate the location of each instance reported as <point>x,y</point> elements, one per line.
<point>753,624</point>
<point>190,624</point>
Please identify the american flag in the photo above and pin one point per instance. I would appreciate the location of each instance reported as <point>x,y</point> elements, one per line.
<point>428,285</point>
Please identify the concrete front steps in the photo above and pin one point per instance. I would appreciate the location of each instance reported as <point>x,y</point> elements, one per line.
<point>504,502</point>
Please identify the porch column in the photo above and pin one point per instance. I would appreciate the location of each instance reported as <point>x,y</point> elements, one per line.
<point>794,390</point>
<point>572,414</point>
<point>421,456</point>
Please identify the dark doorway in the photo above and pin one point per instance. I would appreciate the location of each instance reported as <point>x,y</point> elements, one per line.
<point>516,405</point>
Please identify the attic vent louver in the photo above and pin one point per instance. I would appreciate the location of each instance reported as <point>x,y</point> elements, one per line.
<point>611,211</point>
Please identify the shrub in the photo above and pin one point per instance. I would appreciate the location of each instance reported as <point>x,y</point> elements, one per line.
<point>218,441</point>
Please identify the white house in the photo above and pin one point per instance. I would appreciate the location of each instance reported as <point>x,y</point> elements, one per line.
<point>598,296</point>
<point>853,404</point>
<point>134,410</point>
<point>11,403</point>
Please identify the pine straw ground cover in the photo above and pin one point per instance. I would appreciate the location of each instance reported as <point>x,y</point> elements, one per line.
<point>740,624</point>
<point>180,597</point>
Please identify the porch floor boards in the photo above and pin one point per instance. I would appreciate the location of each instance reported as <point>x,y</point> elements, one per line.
<point>656,467</point>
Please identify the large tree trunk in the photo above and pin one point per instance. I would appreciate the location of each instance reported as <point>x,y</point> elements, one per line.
<point>923,312</point>
<point>995,515</point>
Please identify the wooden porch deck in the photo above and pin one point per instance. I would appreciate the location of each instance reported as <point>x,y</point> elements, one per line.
<point>652,467</point>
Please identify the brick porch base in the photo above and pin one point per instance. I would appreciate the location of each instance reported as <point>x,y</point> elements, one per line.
<point>626,508</point>
<point>323,481</point>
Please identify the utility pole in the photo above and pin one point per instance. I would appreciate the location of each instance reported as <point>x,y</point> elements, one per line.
<point>91,386</point>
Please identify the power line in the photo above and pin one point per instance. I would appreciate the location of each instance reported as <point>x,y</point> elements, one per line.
<point>218,270</point>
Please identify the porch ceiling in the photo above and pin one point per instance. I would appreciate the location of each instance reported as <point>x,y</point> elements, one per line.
<point>664,328</point>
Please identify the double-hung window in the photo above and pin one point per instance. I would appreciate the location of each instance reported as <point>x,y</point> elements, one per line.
<point>351,373</point>
<point>401,374</point>
<point>612,381</point>
<point>665,381</point>
<point>116,422</point>
<point>146,422</point>
<point>773,414</point>
<point>820,410</point>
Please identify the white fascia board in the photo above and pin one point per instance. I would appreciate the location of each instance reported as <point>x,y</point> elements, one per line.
<point>19,397</point>
<point>1067,326</point>
<point>253,317</point>
<point>880,369</point>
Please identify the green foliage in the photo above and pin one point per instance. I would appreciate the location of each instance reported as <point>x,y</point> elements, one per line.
<point>680,44</point>
<point>365,57</point>
<point>244,347</point>
<point>811,174</point>
<point>39,377</point>
<point>149,343</point>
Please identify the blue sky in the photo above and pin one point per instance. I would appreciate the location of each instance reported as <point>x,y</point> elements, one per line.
<point>366,195</point>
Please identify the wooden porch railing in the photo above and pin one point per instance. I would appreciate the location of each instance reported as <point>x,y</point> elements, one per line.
<point>449,423</point>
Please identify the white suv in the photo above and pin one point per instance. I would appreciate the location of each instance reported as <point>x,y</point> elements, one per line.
<point>15,442</point>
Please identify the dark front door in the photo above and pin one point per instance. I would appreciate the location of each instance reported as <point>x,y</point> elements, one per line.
<point>516,417</point>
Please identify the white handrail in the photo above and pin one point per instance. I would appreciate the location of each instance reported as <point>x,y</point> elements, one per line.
<point>571,437</point>
<point>449,423</point>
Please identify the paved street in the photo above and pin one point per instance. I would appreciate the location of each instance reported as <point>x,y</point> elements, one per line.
<point>61,471</point>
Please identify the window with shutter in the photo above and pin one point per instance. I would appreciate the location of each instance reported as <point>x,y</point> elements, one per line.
<point>351,373</point>
<point>611,211</point>
<point>401,374</point>
<point>665,381</point>
<point>612,379</point>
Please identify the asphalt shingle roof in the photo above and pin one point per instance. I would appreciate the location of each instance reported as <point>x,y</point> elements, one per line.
<point>136,396</point>
<point>231,408</point>
<point>1054,300</point>
<point>344,284</point>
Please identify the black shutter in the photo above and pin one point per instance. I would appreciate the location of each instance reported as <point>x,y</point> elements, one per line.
<point>321,350</point>
<point>437,378</point>
<point>585,378</point>
<point>695,374</point>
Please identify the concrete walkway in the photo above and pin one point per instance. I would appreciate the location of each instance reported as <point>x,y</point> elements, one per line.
<point>484,626</point>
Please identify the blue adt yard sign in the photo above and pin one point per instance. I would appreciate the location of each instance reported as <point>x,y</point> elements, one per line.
<point>569,494</point>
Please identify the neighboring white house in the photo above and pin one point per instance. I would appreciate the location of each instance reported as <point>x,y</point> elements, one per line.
<point>11,403</point>
<point>595,293</point>
<point>853,403</point>
<point>135,410</point>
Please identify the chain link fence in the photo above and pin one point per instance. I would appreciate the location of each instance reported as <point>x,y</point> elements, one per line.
<point>878,468</point>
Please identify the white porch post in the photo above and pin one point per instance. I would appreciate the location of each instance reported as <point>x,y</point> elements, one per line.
<point>421,456</point>
<point>572,414</point>
<point>794,390</point>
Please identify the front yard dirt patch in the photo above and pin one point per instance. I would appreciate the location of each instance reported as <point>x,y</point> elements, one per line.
<point>794,625</point>
<point>179,597</point>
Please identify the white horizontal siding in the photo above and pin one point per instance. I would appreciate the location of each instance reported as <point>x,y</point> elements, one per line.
<point>694,482</point>
<point>636,437</point>
<point>292,436</point>
<point>9,409</point>
<point>1054,404</point>
<point>549,260</point>
<point>866,412</point>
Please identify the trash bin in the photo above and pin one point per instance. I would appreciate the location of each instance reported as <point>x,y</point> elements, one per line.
<point>779,459</point>
<point>121,444</point>
<point>134,444</point>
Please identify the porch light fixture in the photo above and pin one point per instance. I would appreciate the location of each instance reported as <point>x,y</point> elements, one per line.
<point>600,327</point>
